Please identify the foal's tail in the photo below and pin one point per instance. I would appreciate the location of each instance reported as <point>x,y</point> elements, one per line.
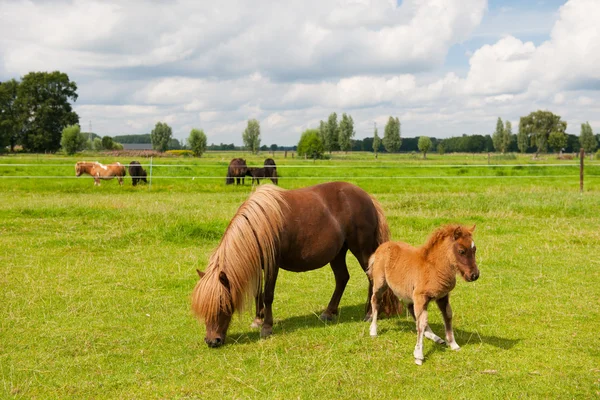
<point>390,305</point>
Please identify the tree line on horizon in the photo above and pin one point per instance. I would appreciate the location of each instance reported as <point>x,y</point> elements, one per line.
<point>36,114</point>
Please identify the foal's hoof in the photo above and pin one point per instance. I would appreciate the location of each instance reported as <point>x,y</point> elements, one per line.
<point>418,361</point>
<point>257,323</point>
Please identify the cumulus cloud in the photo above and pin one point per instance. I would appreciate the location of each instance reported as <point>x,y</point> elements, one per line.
<point>289,64</point>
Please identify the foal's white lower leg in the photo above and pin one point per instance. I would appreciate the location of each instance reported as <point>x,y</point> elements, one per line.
<point>373,329</point>
<point>421,325</point>
<point>432,336</point>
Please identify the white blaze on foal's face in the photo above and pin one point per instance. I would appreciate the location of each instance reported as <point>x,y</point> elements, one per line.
<point>472,243</point>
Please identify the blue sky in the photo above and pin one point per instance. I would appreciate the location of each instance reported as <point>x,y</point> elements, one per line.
<point>444,67</point>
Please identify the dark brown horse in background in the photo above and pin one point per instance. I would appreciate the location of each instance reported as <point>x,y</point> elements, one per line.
<point>236,171</point>
<point>271,170</point>
<point>297,230</point>
<point>137,173</point>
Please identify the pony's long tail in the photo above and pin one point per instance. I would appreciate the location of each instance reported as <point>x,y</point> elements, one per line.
<point>383,229</point>
<point>389,305</point>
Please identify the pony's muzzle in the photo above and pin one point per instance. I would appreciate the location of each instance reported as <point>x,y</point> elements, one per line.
<point>474,276</point>
<point>216,342</point>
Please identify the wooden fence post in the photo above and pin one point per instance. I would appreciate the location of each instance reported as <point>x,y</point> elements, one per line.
<point>581,157</point>
<point>150,184</point>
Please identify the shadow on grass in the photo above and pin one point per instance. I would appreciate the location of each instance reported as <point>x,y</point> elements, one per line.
<point>355,314</point>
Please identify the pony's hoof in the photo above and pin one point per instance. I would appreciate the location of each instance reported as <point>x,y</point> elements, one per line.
<point>266,332</point>
<point>454,347</point>
<point>326,317</point>
<point>418,361</point>
<point>440,341</point>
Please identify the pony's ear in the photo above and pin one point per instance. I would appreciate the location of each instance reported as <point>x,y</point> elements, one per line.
<point>473,228</point>
<point>457,233</point>
<point>223,279</point>
<point>200,273</point>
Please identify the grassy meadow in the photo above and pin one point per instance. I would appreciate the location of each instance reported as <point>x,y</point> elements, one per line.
<point>96,282</point>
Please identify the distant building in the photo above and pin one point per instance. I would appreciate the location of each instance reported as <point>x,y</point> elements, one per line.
<point>137,146</point>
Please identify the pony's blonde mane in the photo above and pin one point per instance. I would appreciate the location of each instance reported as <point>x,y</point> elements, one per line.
<point>249,244</point>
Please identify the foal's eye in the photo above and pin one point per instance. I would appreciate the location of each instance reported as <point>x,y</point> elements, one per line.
<point>461,251</point>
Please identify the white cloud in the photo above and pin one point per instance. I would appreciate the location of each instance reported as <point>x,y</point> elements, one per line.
<point>289,64</point>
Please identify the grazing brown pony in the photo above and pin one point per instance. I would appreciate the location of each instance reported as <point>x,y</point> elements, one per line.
<point>236,171</point>
<point>271,170</point>
<point>99,171</point>
<point>297,230</point>
<point>419,275</point>
<point>137,173</point>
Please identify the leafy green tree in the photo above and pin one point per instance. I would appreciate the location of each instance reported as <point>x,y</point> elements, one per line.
<point>251,136</point>
<point>72,139</point>
<point>538,126</point>
<point>97,144</point>
<point>522,140</point>
<point>557,141</point>
<point>376,142</point>
<point>174,144</point>
<point>497,136</point>
<point>108,143</point>
<point>424,145</point>
<point>323,131</point>
<point>391,138</point>
<point>587,139</point>
<point>43,102</point>
<point>10,124</point>
<point>197,142</point>
<point>507,137</point>
<point>331,133</point>
<point>346,133</point>
<point>310,144</point>
<point>274,147</point>
<point>160,136</point>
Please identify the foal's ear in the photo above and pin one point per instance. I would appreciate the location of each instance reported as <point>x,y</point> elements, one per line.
<point>457,233</point>
<point>200,273</point>
<point>223,279</point>
<point>473,228</point>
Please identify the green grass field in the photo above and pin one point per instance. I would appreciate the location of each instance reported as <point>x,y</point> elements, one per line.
<point>96,282</point>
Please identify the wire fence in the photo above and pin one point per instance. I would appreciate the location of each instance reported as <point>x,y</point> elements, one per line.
<point>524,171</point>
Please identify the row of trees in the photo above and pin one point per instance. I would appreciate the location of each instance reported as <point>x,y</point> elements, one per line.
<point>539,130</point>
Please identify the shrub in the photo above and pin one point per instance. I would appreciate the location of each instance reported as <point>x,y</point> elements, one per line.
<point>184,153</point>
<point>72,139</point>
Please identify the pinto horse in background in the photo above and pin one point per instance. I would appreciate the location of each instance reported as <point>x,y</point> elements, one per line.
<point>420,275</point>
<point>99,171</point>
<point>236,171</point>
<point>296,230</point>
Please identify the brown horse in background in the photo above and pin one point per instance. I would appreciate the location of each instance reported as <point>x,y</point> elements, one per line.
<point>137,173</point>
<point>297,230</point>
<point>419,275</point>
<point>99,171</point>
<point>236,171</point>
<point>271,170</point>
